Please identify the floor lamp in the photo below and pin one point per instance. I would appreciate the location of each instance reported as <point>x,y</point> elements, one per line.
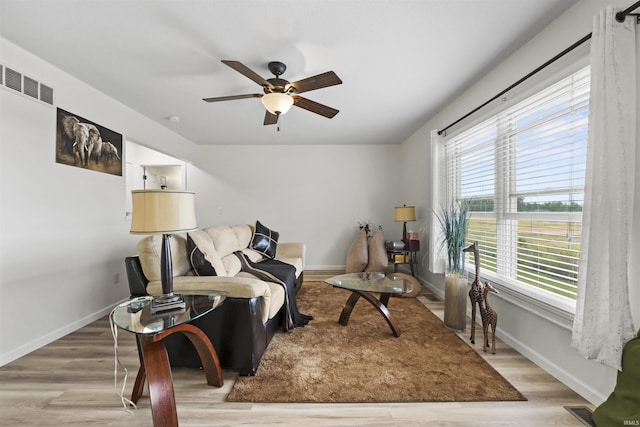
<point>404,214</point>
<point>164,212</point>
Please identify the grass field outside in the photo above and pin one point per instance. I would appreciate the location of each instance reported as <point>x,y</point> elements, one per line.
<point>547,252</point>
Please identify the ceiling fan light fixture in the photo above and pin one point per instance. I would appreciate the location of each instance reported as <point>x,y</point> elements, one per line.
<point>277,103</point>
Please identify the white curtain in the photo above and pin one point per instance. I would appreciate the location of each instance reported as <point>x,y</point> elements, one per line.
<point>437,257</point>
<point>603,321</point>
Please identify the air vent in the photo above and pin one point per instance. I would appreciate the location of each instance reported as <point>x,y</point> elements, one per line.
<point>583,414</point>
<point>13,80</point>
<point>46,94</point>
<point>26,85</point>
<point>30,87</point>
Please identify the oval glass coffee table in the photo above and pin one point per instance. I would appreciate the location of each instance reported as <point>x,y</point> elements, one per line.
<point>365,285</point>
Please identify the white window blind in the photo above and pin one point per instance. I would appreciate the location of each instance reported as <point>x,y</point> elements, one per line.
<point>522,173</point>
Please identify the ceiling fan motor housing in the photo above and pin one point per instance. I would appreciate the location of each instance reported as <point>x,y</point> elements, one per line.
<point>277,68</point>
<point>278,86</point>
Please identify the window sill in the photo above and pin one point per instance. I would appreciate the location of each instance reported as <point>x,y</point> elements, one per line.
<point>557,310</point>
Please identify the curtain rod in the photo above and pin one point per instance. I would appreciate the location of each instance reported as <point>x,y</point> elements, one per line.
<point>620,16</point>
<point>528,76</point>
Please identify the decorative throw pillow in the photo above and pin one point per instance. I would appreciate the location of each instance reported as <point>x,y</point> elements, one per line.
<point>357,255</point>
<point>265,240</point>
<point>377,253</point>
<point>202,253</point>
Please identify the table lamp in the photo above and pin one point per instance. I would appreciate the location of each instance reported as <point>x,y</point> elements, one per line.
<point>164,212</point>
<point>403,214</point>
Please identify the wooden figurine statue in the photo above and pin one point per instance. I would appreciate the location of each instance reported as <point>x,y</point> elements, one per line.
<point>475,293</point>
<point>490,318</point>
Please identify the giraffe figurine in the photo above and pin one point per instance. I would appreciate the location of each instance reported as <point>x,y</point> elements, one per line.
<point>475,293</point>
<point>490,319</point>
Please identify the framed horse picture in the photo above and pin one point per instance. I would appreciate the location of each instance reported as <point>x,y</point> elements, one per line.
<point>86,144</point>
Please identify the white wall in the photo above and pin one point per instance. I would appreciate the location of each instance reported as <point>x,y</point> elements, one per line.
<point>542,341</point>
<point>63,233</point>
<point>138,160</point>
<point>311,194</point>
<point>63,236</point>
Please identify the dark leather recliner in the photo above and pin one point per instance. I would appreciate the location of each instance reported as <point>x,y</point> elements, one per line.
<point>235,329</point>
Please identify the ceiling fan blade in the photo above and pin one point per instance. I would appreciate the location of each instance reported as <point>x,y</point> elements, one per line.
<point>232,97</point>
<point>270,119</point>
<point>314,107</point>
<point>247,72</point>
<point>316,82</point>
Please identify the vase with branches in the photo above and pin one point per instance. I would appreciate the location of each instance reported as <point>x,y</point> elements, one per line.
<point>454,223</point>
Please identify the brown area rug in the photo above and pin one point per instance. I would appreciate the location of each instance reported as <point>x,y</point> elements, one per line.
<point>364,362</point>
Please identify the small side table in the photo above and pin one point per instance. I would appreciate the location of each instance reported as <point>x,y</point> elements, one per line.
<point>151,330</point>
<point>402,256</point>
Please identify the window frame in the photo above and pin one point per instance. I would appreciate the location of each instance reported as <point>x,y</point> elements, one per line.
<point>555,308</point>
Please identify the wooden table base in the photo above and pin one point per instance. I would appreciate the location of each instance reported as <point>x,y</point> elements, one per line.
<point>380,305</point>
<point>155,368</point>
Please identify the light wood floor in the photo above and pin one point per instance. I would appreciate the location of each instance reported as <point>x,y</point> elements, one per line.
<point>71,382</point>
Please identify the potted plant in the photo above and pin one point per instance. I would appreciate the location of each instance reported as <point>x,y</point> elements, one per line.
<point>454,221</point>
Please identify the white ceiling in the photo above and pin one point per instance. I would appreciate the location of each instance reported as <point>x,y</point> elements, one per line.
<point>400,60</point>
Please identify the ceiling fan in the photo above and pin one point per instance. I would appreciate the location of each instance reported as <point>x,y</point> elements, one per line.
<point>279,94</point>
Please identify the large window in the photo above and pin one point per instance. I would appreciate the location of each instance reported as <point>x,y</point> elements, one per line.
<point>522,173</point>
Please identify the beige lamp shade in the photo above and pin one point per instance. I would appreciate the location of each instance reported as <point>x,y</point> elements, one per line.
<point>277,103</point>
<point>162,212</point>
<point>404,214</point>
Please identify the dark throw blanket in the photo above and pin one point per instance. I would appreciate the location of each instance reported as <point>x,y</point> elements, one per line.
<point>283,274</point>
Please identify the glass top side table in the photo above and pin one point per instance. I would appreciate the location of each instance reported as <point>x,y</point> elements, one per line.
<point>151,329</point>
<point>135,315</point>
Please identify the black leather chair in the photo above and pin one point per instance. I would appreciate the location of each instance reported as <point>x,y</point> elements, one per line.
<point>235,329</point>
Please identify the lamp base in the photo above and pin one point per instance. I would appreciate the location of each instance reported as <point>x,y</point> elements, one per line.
<point>167,302</point>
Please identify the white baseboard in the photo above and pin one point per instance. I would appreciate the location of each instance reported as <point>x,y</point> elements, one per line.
<point>342,267</point>
<point>594,396</point>
<point>52,336</point>
<point>324,267</point>
<point>434,289</point>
